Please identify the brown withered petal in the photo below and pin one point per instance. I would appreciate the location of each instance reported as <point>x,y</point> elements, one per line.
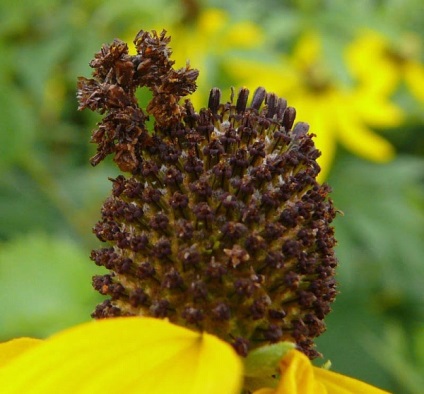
<point>219,224</point>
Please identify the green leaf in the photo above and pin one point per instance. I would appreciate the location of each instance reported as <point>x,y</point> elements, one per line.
<point>17,126</point>
<point>380,236</point>
<point>393,352</point>
<point>46,285</point>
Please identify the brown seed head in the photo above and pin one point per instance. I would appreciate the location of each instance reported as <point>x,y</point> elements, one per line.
<point>220,224</point>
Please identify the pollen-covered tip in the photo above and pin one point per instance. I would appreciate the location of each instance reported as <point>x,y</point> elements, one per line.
<point>219,224</point>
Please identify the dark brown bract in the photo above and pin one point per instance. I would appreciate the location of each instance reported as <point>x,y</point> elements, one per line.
<point>220,224</point>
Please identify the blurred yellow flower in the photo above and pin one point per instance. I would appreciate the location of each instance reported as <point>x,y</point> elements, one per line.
<point>336,114</point>
<point>146,355</point>
<point>206,43</point>
<point>373,58</point>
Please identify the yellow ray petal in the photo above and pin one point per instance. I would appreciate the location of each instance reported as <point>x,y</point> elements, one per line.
<point>130,355</point>
<point>15,347</point>
<point>265,391</point>
<point>414,77</point>
<point>340,384</point>
<point>327,147</point>
<point>367,60</point>
<point>377,110</point>
<point>212,20</point>
<point>244,35</point>
<point>297,376</point>
<point>322,124</point>
<point>359,139</point>
<point>308,49</point>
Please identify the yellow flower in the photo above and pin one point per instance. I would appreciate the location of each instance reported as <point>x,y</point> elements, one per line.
<point>373,58</point>
<point>206,43</point>
<point>146,355</point>
<point>336,114</point>
<point>209,42</point>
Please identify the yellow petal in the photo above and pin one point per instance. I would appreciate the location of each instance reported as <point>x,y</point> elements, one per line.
<point>359,139</point>
<point>414,77</point>
<point>308,50</point>
<point>377,110</point>
<point>265,391</point>
<point>15,347</point>
<point>297,376</point>
<point>244,35</point>
<point>274,77</point>
<point>211,21</point>
<point>340,384</point>
<point>315,112</point>
<point>125,355</point>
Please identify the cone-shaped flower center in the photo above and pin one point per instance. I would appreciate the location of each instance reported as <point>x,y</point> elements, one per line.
<point>220,224</point>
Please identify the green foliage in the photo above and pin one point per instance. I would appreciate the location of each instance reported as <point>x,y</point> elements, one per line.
<point>45,285</point>
<point>380,273</point>
<point>400,352</point>
<point>380,235</point>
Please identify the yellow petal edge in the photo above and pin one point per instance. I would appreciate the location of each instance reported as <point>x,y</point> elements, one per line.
<point>299,376</point>
<point>125,355</point>
<point>15,347</point>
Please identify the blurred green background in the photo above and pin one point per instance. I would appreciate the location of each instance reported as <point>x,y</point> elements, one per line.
<point>353,70</point>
